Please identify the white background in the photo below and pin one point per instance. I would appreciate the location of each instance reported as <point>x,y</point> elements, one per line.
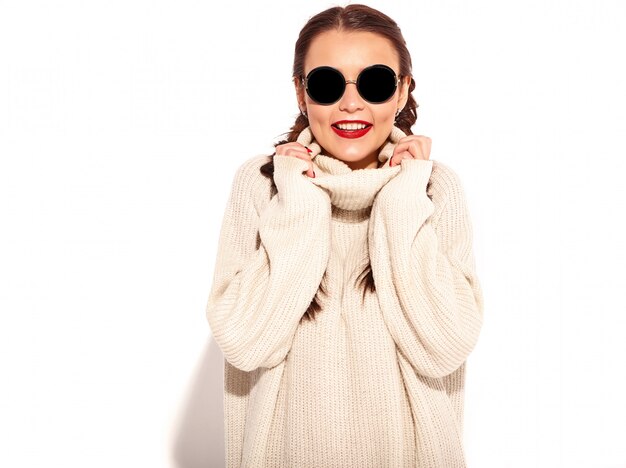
<point>121,126</point>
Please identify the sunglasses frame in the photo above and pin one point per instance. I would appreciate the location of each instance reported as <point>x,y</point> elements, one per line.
<point>305,83</point>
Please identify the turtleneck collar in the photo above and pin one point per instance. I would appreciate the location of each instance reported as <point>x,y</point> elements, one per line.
<point>351,189</point>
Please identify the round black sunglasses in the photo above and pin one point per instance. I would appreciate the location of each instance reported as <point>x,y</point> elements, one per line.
<point>376,84</point>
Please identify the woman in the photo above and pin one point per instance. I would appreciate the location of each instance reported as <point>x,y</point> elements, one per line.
<point>345,298</point>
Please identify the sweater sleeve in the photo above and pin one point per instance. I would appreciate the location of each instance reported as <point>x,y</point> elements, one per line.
<point>424,273</point>
<point>269,264</point>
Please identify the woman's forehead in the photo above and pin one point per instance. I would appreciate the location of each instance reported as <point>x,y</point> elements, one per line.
<point>350,51</point>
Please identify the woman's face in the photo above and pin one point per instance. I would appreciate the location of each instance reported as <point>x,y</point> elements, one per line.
<point>351,52</point>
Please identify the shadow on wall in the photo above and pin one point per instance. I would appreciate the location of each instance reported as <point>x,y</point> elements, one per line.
<point>199,437</point>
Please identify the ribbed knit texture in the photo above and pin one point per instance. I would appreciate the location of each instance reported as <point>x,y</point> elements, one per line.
<point>373,383</point>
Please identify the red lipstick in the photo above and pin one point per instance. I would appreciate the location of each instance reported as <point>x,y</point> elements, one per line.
<point>351,133</point>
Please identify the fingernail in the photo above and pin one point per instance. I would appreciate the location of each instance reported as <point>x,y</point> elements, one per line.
<point>308,149</point>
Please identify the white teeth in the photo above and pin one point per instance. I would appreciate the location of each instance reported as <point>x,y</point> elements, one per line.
<point>351,126</point>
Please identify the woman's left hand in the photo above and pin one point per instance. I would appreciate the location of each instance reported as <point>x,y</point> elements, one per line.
<point>411,147</point>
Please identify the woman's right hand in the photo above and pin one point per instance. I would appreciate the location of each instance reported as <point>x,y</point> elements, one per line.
<point>299,151</point>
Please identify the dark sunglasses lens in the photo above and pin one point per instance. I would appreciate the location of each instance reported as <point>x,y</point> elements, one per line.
<point>325,85</point>
<point>377,84</point>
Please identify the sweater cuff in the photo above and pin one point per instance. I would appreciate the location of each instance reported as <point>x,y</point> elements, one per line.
<point>415,173</point>
<point>292,183</point>
<point>290,169</point>
<point>290,164</point>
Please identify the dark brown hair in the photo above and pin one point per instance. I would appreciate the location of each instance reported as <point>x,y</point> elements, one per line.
<point>350,18</point>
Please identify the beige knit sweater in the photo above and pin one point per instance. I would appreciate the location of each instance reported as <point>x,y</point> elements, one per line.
<point>374,382</point>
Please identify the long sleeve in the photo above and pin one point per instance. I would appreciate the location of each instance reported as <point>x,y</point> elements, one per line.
<point>269,264</point>
<point>423,266</point>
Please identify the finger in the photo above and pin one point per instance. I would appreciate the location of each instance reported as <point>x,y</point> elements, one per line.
<point>398,157</point>
<point>302,154</point>
<point>291,147</point>
<point>414,138</point>
<point>415,149</point>
<point>297,151</point>
<point>411,138</point>
<point>410,149</point>
<point>425,144</point>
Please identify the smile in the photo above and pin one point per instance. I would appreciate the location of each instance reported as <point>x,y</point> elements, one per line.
<point>351,129</point>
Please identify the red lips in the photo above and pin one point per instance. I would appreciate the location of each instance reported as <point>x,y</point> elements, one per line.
<point>351,133</point>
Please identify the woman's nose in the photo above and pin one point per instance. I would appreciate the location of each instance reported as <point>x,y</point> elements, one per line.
<point>351,100</point>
